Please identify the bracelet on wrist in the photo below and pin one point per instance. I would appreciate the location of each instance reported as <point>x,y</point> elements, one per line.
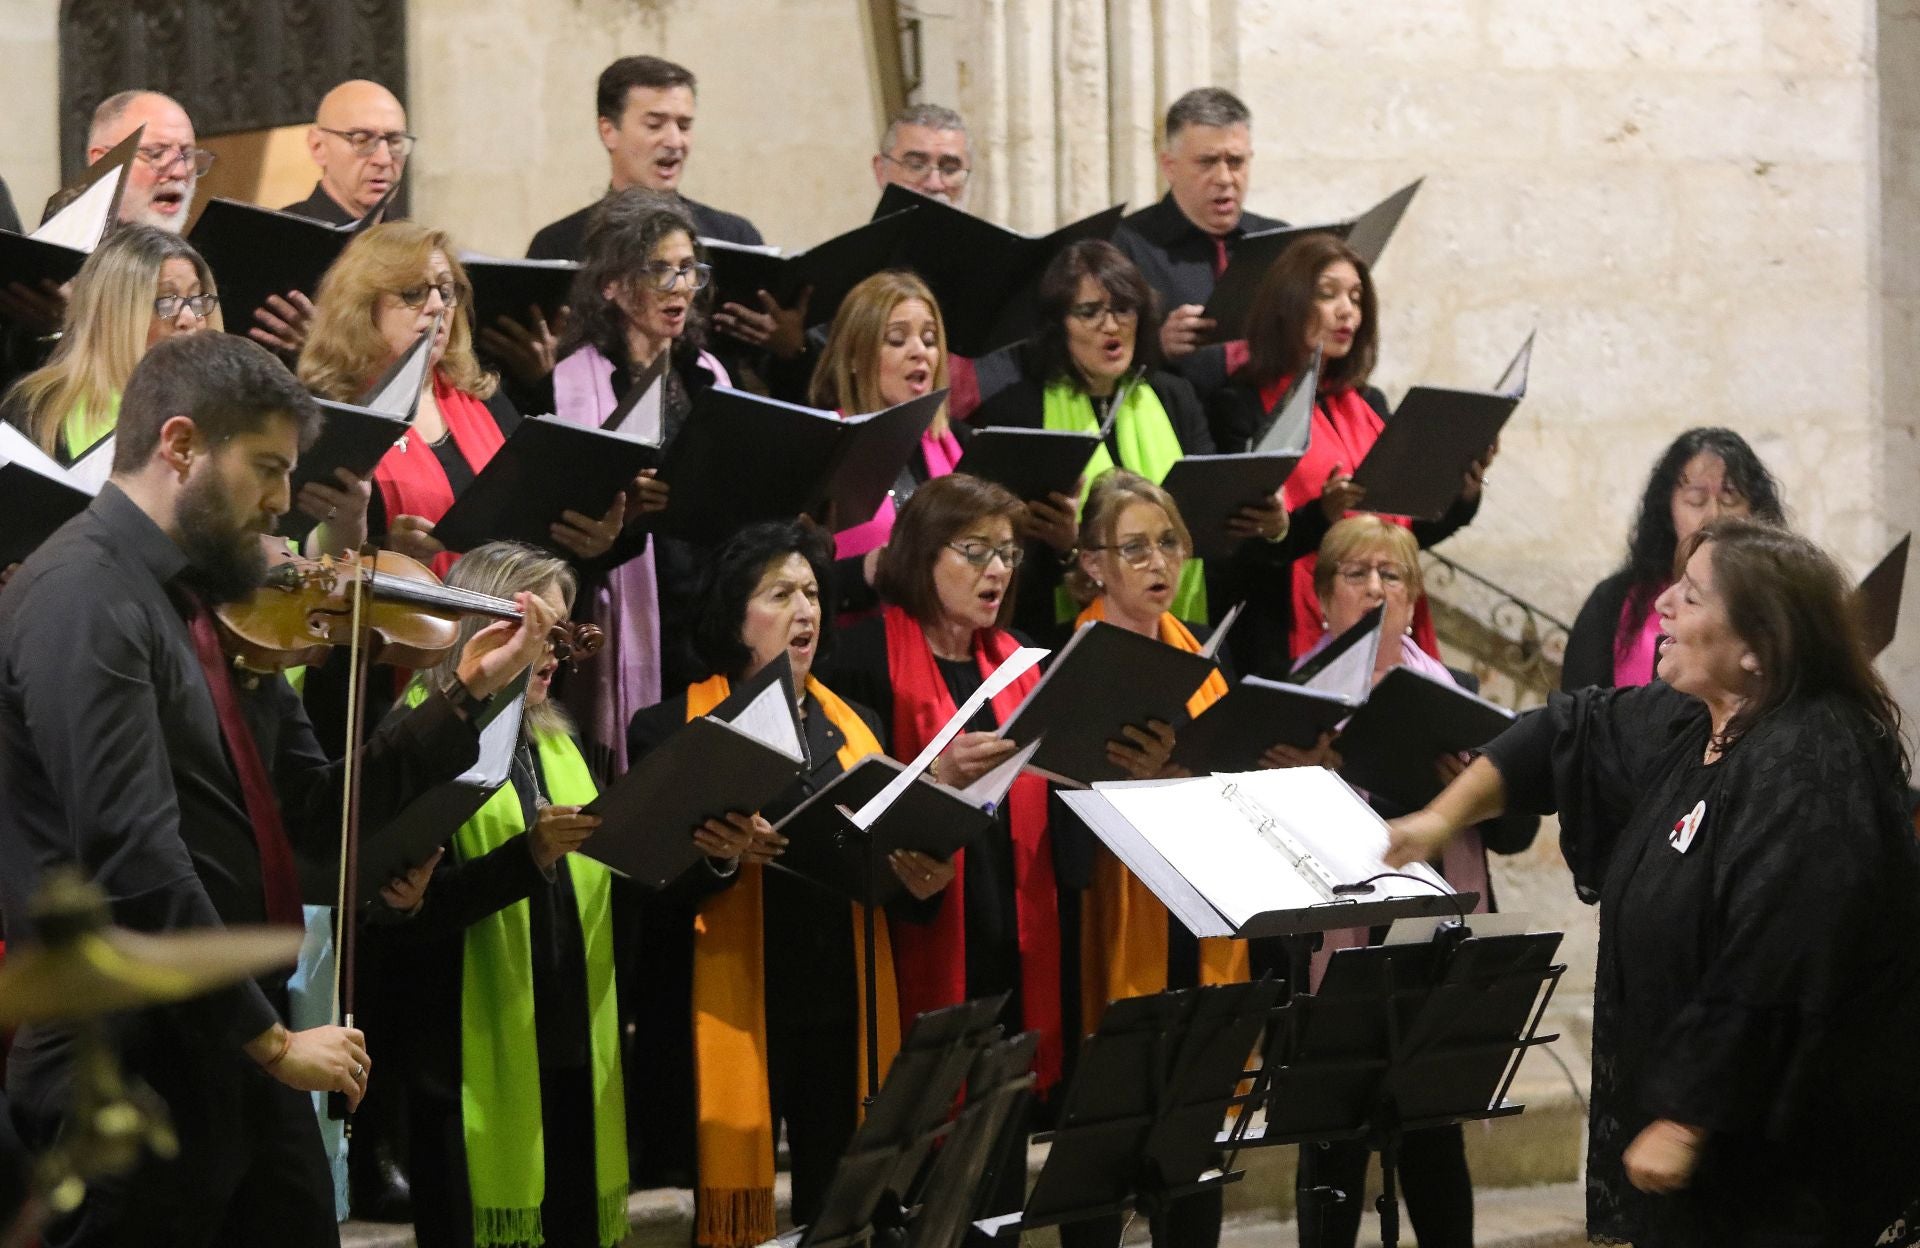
<point>286,1046</point>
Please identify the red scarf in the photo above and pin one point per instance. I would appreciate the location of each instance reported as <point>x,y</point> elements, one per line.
<point>1345,427</point>
<point>930,959</point>
<point>410,478</point>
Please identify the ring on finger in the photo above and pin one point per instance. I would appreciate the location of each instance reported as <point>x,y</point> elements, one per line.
<point>359,1071</point>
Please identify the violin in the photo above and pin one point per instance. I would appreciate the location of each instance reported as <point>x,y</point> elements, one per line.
<point>409,617</point>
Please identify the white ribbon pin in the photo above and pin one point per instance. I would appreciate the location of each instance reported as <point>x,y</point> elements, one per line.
<point>1684,831</point>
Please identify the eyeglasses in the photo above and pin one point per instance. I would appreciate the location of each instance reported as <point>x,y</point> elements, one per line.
<point>1094,313</point>
<point>980,554</point>
<point>1392,575</point>
<point>398,142</point>
<point>951,169</point>
<point>663,277</point>
<point>166,307</point>
<point>1138,553</point>
<point>417,296</point>
<point>162,157</point>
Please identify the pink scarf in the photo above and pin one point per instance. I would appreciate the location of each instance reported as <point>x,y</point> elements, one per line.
<point>941,453</point>
<point>1636,642</point>
<point>626,606</point>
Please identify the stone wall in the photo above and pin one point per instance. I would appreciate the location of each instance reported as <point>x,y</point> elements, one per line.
<point>30,103</point>
<point>1899,273</point>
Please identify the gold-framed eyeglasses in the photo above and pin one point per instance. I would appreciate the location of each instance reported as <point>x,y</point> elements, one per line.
<point>980,554</point>
<point>362,142</point>
<point>1392,575</point>
<point>163,156</point>
<point>166,307</point>
<point>1139,552</point>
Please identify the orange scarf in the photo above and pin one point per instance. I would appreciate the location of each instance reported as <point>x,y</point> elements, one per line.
<point>734,1203</point>
<point>1123,926</point>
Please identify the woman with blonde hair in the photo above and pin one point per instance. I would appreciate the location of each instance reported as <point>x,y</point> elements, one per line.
<point>888,344</point>
<point>388,288</point>
<point>141,286</point>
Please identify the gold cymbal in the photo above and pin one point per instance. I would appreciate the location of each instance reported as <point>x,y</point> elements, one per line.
<point>114,969</point>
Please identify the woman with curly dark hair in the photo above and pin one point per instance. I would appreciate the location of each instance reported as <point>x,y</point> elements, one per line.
<point>1703,474</point>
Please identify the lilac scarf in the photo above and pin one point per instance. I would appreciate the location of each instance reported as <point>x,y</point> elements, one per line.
<point>1463,863</point>
<point>626,676</point>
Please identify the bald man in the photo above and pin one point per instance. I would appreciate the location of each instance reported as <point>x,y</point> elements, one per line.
<point>360,142</point>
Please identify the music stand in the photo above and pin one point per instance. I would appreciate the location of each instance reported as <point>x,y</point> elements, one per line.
<point>1401,1037</point>
<point>988,1135</point>
<point>1140,1124</point>
<point>891,1145</point>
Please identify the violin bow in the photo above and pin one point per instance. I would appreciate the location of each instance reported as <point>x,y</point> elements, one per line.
<point>346,940</point>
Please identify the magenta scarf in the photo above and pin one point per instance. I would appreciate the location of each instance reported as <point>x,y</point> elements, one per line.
<point>942,455</point>
<point>1636,639</point>
<point>626,606</point>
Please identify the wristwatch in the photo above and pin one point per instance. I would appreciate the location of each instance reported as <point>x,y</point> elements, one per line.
<point>463,699</point>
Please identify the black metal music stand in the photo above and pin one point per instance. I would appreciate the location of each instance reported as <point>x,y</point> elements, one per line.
<point>1140,1124</point>
<point>1402,1037</point>
<point>988,1136</point>
<point>889,1150</point>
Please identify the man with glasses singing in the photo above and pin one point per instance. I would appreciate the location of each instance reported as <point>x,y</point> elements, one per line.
<point>925,149</point>
<point>161,180</point>
<point>360,142</point>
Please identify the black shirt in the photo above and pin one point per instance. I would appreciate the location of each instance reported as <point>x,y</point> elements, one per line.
<point>111,757</point>
<point>321,206</point>
<point>566,238</point>
<point>1177,258</point>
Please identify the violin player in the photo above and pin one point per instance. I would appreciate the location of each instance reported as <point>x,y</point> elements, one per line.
<point>124,749</point>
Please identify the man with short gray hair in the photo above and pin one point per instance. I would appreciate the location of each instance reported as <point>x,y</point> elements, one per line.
<point>161,179</point>
<point>925,149</point>
<point>1182,243</point>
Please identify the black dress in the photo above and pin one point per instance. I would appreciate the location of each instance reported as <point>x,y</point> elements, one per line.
<point>1761,979</point>
<point>813,1012</point>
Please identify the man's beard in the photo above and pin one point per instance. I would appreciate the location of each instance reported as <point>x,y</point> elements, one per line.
<point>177,222</point>
<point>226,562</point>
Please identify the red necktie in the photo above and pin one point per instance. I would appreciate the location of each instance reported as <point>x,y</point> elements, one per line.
<point>278,878</point>
<point>1219,255</point>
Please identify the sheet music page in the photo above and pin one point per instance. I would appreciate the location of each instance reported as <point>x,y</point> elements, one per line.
<point>1350,677</point>
<point>401,394</point>
<point>92,469</point>
<point>770,720</point>
<point>1208,839</point>
<point>497,743</point>
<point>82,223</point>
<point>1335,824</point>
<point>17,448</point>
<point>987,791</point>
<point>1513,382</point>
<point>1292,429</point>
<point>1017,663</point>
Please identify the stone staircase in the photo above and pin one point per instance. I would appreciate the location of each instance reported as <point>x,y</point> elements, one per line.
<point>1526,1170</point>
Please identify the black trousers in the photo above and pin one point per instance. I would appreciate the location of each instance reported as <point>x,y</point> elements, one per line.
<point>814,1088</point>
<point>1433,1179</point>
<point>1192,1221</point>
<point>443,1198</point>
<point>251,1168</point>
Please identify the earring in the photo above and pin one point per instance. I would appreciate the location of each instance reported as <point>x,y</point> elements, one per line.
<point>1099,586</point>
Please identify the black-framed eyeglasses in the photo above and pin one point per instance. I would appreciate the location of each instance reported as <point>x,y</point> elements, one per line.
<point>1138,553</point>
<point>663,277</point>
<point>166,307</point>
<point>980,554</point>
<point>951,168</point>
<point>163,156</point>
<point>1094,313</point>
<point>417,296</point>
<point>398,142</point>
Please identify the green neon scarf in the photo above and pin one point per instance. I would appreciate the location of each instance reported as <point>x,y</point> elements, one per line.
<point>84,427</point>
<point>1147,445</point>
<point>500,1071</point>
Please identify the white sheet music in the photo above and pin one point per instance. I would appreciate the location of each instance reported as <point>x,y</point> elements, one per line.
<point>1513,382</point>
<point>770,720</point>
<point>400,394</point>
<point>83,223</point>
<point>17,448</point>
<point>1210,649</point>
<point>498,740</point>
<point>1350,677</point>
<point>1016,663</point>
<point>989,789</point>
<point>1291,432</point>
<point>92,469</point>
<point>1204,830</point>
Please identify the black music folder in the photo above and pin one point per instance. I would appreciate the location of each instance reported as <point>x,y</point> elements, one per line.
<point>1416,466</point>
<point>1032,463</point>
<point>546,466</point>
<point>1877,600</point>
<point>736,759</point>
<point>741,458</point>
<point>927,817</point>
<point>984,276</point>
<point>37,495</point>
<point>1230,306</point>
<point>431,819</point>
<point>831,268</point>
<point>1104,679</point>
<point>507,287</point>
<point>1211,489</point>
<point>256,252</point>
<point>1391,744</point>
<point>55,251</point>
